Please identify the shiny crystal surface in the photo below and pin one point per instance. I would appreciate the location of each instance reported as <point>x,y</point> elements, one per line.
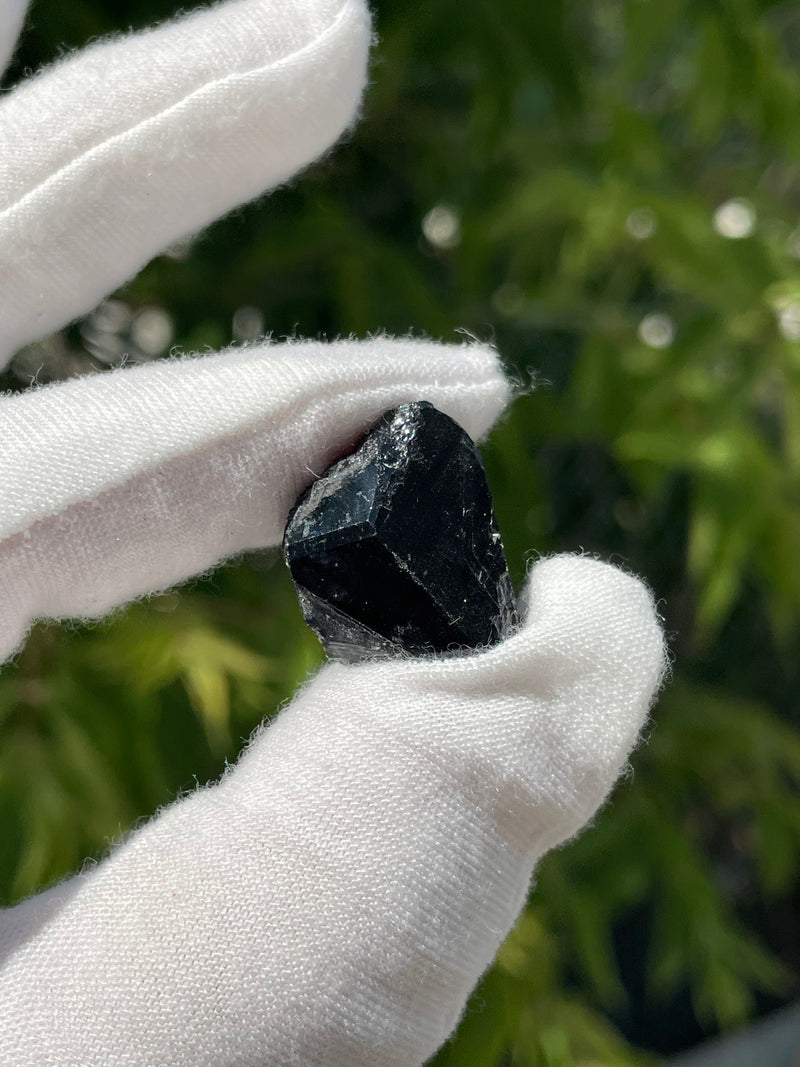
<point>395,550</point>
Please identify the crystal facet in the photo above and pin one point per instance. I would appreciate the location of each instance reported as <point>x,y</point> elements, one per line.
<point>395,549</point>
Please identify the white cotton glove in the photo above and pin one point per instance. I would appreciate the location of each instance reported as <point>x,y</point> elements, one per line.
<point>111,155</point>
<point>335,897</point>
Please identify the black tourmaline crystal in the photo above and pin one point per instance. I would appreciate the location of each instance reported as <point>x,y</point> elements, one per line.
<point>395,549</point>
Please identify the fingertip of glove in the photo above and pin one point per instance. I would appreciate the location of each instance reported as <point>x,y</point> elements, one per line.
<point>601,604</point>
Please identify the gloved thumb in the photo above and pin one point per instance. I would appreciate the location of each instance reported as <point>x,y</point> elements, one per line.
<point>333,900</point>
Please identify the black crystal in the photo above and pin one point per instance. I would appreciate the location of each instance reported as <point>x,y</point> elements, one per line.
<point>395,548</point>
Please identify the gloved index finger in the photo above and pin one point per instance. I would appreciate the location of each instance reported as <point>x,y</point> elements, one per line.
<point>116,152</point>
<point>116,485</point>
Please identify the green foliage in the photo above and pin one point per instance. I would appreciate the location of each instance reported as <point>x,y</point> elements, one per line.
<point>150,651</point>
<point>620,183</point>
<point>520,1010</point>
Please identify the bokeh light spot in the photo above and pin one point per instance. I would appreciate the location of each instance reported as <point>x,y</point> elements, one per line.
<point>442,226</point>
<point>735,219</point>
<point>657,330</point>
<point>641,223</point>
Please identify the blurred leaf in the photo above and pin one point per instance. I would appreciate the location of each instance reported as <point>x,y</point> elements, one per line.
<point>154,648</point>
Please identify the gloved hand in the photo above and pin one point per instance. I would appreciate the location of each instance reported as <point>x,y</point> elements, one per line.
<point>335,897</point>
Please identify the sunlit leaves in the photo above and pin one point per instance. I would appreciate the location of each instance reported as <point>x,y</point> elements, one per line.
<point>519,1015</point>
<point>150,649</point>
